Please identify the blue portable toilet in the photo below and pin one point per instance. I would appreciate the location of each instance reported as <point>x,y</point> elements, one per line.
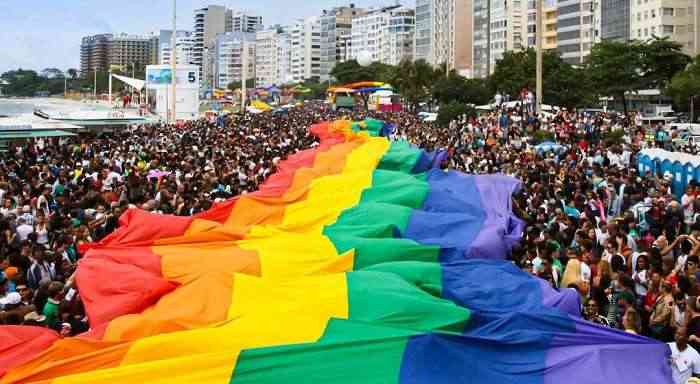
<point>666,166</point>
<point>678,183</point>
<point>688,173</point>
<point>644,164</point>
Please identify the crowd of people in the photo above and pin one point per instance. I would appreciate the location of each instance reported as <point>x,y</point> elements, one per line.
<point>624,240</point>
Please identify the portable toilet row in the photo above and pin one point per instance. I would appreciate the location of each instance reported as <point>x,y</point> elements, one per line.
<point>683,167</point>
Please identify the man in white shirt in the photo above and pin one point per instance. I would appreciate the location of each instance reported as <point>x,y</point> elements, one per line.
<point>685,360</point>
<point>23,229</point>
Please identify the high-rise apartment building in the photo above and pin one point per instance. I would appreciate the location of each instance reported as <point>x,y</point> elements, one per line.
<point>208,23</point>
<point>549,34</point>
<point>336,29</point>
<point>266,64</point>
<point>578,28</point>
<point>273,57</point>
<point>245,22</point>
<point>184,47</point>
<point>509,28</point>
<point>233,51</point>
<point>615,20</point>
<point>443,33</point>
<point>386,34</point>
<point>100,52</point>
<point>305,36</point>
<point>673,19</point>
<point>94,53</point>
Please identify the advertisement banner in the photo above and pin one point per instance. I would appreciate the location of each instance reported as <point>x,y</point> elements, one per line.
<point>160,77</point>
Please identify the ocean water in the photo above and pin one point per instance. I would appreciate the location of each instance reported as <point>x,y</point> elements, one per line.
<point>16,107</point>
<point>19,107</point>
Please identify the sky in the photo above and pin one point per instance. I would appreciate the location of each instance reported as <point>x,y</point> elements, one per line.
<point>37,34</point>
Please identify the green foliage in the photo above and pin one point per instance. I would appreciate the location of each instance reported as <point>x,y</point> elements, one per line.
<point>72,73</point>
<point>413,80</point>
<point>351,72</point>
<point>458,88</point>
<point>660,60</point>
<point>453,110</point>
<point>318,89</point>
<point>249,83</point>
<point>564,85</point>
<point>541,135</point>
<point>685,84</point>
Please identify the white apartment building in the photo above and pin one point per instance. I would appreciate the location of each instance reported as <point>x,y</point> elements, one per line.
<point>234,53</point>
<point>336,28</point>
<point>387,34</point>
<point>305,38</point>
<point>443,33</point>
<point>266,59</point>
<point>284,56</point>
<point>184,47</point>
<point>245,22</point>
<point>208,23</point>
<point>578,29</point>
<point>508,28</point>
<point>675,19</point>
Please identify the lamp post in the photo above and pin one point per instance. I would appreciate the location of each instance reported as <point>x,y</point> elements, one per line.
<point>692,108</point>
<point>173,65</point>
<point>538,52</point>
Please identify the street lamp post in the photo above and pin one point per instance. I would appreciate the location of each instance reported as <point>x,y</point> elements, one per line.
<point>538,43</point>
<point>173,65</point>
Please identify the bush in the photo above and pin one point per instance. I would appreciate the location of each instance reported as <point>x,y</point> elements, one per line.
<point>452,111</point>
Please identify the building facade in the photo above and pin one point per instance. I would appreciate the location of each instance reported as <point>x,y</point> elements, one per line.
<point>266,60</point>
<point>578,28</point>
<point>234,53</point>
<point>673,19</point>
<point>336,41</point>
<point>208,23</point>
<point>245,22</point>
<point>101,52</point>
<point>184,47</point>
<point>386,34</point>
<point>94,53</point>
<point>549,35</point>
<point>443,34</point>
<point>305,37</point>
<point>615,20</point>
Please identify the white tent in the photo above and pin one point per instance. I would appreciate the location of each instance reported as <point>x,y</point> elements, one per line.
<point>136,83</point>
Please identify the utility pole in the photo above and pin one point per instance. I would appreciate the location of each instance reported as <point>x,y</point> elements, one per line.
<point>173,65</point>
<point>244,73</point>
<point>538,50</point>
<point>133,76</point>
<point>65,87</point>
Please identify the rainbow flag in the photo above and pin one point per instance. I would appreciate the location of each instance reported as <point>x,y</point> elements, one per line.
<point>359,261</point>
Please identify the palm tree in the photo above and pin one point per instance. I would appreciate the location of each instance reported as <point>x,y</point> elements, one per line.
<point>413,80</point>
<point>73,73</point>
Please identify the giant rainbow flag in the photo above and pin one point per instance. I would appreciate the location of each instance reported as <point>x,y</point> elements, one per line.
<point>360,261</point>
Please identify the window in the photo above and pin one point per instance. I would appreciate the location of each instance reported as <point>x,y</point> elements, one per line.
<point>668,29</point>
<point>639,32</point>
<point>680,12</point>
<point>639,16</point>
<point>667,11</point>
<point>646,32</point>
<point>653,13</point>
<point>646,15</point>
<point>653,30</point>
